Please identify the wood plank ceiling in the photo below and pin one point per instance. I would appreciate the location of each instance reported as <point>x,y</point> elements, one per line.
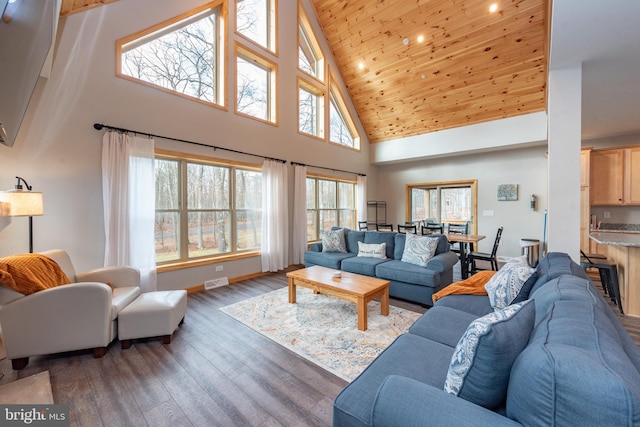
<point>473,65</point>
<point>69,7</point>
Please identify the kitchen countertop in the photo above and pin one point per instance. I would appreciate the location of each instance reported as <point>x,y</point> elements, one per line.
<point>616,238</point>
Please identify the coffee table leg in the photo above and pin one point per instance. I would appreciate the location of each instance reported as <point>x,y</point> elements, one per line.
<point>384,302</point>
<point>292,291</point>
<point>362,314</point>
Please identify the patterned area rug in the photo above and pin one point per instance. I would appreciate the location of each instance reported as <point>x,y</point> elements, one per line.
<point>322,328</point>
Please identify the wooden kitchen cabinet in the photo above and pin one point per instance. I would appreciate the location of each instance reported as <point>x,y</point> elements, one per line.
<point>615,176</point>
<point>632,176</point>
<point>607,177</point>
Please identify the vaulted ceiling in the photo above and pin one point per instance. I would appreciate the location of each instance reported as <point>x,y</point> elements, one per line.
<point>473,64</point>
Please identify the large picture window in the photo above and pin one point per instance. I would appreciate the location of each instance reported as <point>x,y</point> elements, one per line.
<point>206,208</point>
<point>184,55</point>
<point>329,203</point>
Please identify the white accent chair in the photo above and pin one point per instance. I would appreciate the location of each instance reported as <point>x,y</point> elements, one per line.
<point>77,316</point>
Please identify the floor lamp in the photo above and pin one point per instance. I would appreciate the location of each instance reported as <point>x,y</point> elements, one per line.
<point>24,203</point>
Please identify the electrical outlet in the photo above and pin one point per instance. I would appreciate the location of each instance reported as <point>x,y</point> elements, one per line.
<point>607,214</point>
<point>219,268</point>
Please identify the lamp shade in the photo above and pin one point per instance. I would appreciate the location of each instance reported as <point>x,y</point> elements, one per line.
<point>23,203</point>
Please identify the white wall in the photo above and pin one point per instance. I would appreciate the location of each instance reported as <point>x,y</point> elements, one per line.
<point>526,167</point>
<point>58,151</point>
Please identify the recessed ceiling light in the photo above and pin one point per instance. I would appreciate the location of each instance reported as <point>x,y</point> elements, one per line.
<point>405,41</point>
<point>361,65</point>
<point>493,7</point>
<point>420,38</point>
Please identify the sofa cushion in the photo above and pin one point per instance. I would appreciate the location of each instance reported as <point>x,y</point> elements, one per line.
<point>477,305</point>
<point>326,259</point>
<point>566,287</point>
<point>505,285</point>
<point>556,264</point>
<point>430,325</point>
<point>574,372</point>
<point>399,271</point>
<point>333,241</point>
<point>419,250</point>
<point>482,359</point>
<point>362,265</point>
<point>372,250</point>
<point>352,237</point>
<point>386,237</point>
<point>408,356</point>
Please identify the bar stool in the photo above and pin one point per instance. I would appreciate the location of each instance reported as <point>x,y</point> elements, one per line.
<point>608,272</point>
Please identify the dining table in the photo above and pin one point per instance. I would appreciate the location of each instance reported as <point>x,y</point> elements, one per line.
<point>467,242</point>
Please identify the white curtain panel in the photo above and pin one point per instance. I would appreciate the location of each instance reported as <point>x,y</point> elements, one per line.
<point>275,216</point>
<point>299,214</point>
<point>128,192</point>
<point>362,198</point>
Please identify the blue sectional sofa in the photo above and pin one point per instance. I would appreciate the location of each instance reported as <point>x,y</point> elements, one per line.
<point>578,365</point>
<point>408,281</point>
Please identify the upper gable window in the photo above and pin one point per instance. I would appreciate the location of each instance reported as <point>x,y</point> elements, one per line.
<point>255,20</point>
<point>184,55</point>
<point>310,57</point>
<point>310,109</point>
<point>341,127</point>
<point>255,85</point>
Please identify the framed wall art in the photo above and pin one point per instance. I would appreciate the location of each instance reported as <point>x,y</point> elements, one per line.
<point>507,192</point>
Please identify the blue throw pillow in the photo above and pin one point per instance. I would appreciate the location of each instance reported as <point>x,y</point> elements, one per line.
<point>523,295</point>
<point>482,360</point>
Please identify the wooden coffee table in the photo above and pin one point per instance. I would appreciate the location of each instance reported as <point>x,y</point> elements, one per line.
<point>351,287</point>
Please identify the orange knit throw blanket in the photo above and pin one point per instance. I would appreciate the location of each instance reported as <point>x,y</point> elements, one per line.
<point>30,273</point>
<point>474,285</point>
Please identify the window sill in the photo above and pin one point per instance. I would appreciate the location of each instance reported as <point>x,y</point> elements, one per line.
<point>179,265</point>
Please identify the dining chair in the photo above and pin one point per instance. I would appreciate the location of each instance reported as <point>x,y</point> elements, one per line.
<point>457,229</point>
<point>432,228</point>
<point>407,229</point>
<point>483,256</point>
<point>363,226</point>
<point>384,227</point>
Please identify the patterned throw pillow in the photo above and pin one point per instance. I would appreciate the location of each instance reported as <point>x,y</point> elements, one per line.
<point>505,285</point>
<point>482,360</point>
<point>372,250</point>
<point>419,250</point>
<point>333,241</point>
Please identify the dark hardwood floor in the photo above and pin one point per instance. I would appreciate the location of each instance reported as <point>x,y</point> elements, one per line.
<point>215,372</point>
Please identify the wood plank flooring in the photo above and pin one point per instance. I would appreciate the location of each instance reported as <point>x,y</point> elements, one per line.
<point>215,372</point>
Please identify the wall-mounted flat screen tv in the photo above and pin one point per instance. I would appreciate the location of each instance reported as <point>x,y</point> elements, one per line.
<point>26,36</point>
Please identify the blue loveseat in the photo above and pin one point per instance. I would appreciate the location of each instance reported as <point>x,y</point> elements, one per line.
<point>578,365</point>
<point>408,281</point>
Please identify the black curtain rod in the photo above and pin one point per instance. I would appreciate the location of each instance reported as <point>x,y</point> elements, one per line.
<point>99,126</point>
<point>330,169</point>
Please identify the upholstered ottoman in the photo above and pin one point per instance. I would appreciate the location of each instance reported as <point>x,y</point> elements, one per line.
<point>152,314</point>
